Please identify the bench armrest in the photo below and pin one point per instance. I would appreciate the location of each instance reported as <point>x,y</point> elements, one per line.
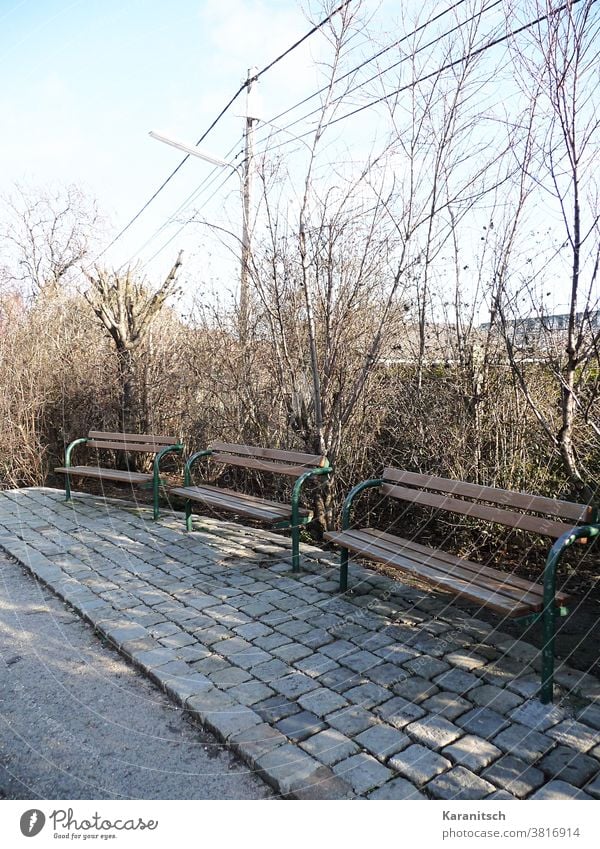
<point>187,472</point>
<point>347,506</point>
<point>585,533</point>
<point>321,470</point>
<point>160,454</point>
<point>70,447</point>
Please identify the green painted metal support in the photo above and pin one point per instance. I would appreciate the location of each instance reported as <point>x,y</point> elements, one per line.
<point>68,464</point>
<point>156,481</point>
<point>187,481</point>
<point>296,520</point>
<point>549,611</point>
<point>346,509</point>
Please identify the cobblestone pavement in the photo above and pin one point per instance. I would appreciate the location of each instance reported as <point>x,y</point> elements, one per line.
<point>386,693</point>
<point>80,722</point>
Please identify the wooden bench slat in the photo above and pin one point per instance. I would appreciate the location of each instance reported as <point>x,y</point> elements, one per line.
<point>109,474</point>
<point>148,448</point>
<point>503,497</point>
<point>313,460</point>
<point>509,518</point>
<point>488,598</point>
<point>505,578</point>
<point>530,594</point>
<point>133,437</point>
<point>255,508</point>
<point>261,465</point>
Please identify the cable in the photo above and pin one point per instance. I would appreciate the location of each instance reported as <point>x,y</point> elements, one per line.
<point>371,59</point>
<point>447,66</point>
<point>217,119</point>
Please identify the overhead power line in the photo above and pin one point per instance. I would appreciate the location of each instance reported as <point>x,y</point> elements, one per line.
<point>244,85</point>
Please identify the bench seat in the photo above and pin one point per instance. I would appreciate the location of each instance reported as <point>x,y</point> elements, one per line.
<point>108,474</point>
<point>237,502</point>
<point>504,592</point>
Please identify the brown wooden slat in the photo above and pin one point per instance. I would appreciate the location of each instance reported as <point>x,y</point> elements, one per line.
<point>523,522</point>
<point>127,446</point>
<point>261,465</point>
<point>269,453</point>
<point>487,598</point>
<point>108,474</point>
<point>267,511</point>
<point>522,500</point>
<point>505,578</point>
<point>133,437</point>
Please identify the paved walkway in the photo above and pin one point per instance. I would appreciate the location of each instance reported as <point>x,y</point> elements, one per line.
<point>79,722</point>
<point>387,693</point>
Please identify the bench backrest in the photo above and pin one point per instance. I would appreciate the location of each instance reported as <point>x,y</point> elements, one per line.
<point>149,443</point>
<point>273,460</point>
<point>466,498</point>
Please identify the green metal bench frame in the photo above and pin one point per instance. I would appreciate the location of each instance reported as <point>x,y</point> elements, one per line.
<point>157,482</point>
<point>587,533</point>
<point>296,520</point>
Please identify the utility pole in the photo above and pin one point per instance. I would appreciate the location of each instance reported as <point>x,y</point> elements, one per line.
<point>248,174</point>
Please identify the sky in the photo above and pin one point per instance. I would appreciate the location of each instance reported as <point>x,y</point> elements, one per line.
<point>86,80</point>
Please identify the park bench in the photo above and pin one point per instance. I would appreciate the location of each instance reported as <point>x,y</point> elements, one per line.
<point>127,442</point>
<point>264,460</point>
<point>502,591</point>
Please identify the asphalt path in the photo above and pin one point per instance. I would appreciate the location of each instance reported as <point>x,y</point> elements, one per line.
<point>78,722</point>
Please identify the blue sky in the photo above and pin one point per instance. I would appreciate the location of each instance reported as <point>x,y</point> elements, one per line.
<point>85,81</point>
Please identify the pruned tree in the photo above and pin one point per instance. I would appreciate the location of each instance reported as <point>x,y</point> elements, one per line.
<point>126,307</point>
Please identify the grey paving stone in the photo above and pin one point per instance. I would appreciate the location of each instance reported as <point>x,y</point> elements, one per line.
<point>329,746</point>
<point>475,753</point>
<point>271,670</point>
<point>316,638</point>
<point>154,657</point>
<point>457,681</point>
<point>275,708</point>
<point>229,677</point>
<point>483,722</point>
<point>467,660</point>
<point>593,788</point>
<point>250,692</point>
<point>386,674</point>
<point>459,783</point>
<point>568,765</point>
<point>211,664</point>
<point>294,685</point>
<point>520,740</point>
<point>415,689</point>
<point>433,731</point>
<point>574,734</point>
<point>322,701</point>
<point>383,740</point>
<point>228,723</point>
<point>249,659</point>
<point>271,641</point>
<point>590,714</point>
<point>291,652</point>
<point>419,764</point>
<point>514,775</point>
<point>362,772</point>
<point>339,649</point>
<point>396,789</point>
<point>316,664</point>
<point>340,679</point>
<point>367,695</point>
<point>535,715</point>
<point>233,646</point>
<point>426,667</point>
<point>396,654</point>
<point>446,704</point>
<point>293,628</point>
<point>559,790</point>
<point>286,766</point>
<point>501,796</point>
<point>502,701</point>
<point>399,712</point>
<point>351,720</point>
<point>359,661</point>
<point>300,726</point>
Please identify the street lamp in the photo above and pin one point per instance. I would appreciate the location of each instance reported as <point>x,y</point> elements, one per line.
<point>216,160</point>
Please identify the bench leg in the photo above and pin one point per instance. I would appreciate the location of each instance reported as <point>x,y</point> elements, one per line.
<point>156,496</point>
<point>549,635</point>
<point>188,515</point>
<point>296,549</point>
<point>67,488</point>
<point>343,570</point>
